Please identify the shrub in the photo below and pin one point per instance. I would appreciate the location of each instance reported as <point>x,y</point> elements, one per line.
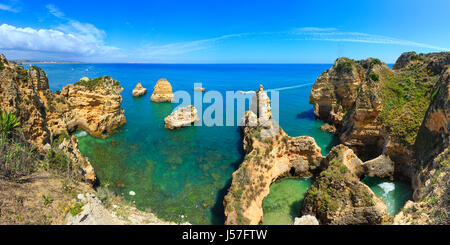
<point>17,158</point>
<point>93,83</point>
<point>344,66</point>
<point>8,122</point>
<point>58,161</point>
<point>373,76</point>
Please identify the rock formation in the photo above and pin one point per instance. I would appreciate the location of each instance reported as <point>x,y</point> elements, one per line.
<point>199,89</point>
<point>91,105</point>
<point>339,197</point>
<point>181,117</point>
<point>270,154</point>
<point>162,91</point>
<point>306,220</point>
<point>393,119</point>
<point>139,91</point>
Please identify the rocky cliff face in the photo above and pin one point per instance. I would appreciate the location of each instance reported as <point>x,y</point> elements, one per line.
<point>90,104</point>
<point>162,91</point>
<point>338,197</point>
<point>400,115</point>
<point>270,155</point>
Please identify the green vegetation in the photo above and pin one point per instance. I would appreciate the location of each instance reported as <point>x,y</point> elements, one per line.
<point>417,57</point>
<point>372,62</point>
<point>75,209</point>
<point>373,76</point>
<point>93,83</point>
<point>434,94</point>
<point>17,158</point>
<point>2,66</point>
<point>406,99</point>
<point>8,122</point>
<point>57,160</point>
<point>334,186</point>
<point>22,73</point>
<point>47,200</point>
<point>345,66</point>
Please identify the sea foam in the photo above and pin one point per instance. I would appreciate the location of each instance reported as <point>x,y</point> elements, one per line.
<point>81,134</point>
<point>387,187</point>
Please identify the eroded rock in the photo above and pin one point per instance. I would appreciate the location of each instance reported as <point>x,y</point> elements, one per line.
<point>162,91</point>
<point>270,154</point>
<point>338,196</point>
<point>139,91</point>
<point>181,117</point>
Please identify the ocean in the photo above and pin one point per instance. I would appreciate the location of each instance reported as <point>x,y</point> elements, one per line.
<point>183,175</point>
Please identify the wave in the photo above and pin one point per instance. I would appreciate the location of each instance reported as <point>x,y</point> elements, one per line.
<point>81,134</point>
<point>387,187</point>
<point>291,87</point>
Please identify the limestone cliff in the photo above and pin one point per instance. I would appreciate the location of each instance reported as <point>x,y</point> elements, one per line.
<point>91,105</point>
<point>338,197</point>
<point>382,114</point>
<point>162,91</point>
<point>270,155</point>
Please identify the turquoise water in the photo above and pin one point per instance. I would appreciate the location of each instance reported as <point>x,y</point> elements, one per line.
<point>284,201</point>
<point>394,193</point>
<point>183,175</point>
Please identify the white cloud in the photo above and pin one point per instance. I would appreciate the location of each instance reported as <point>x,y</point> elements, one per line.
<point>55,11</point>
<point>49,40</point>
<point>183,47</point>
<point>334,35</point>
<point>8,8</point>
<point>72,39</point>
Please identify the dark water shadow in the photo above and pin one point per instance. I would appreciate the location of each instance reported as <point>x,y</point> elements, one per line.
<point>294,209</point>
<point>334,142</point>
<point>218,209</point>
<point>309,115</point>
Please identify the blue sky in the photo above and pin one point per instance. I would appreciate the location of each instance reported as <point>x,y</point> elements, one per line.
<point>229,31</point>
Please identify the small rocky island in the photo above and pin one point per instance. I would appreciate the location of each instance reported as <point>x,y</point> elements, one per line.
<point>139,91</point>
<point>162,91</point>
<point>181,117</point>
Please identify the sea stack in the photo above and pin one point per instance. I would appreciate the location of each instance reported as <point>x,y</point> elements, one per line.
<point>261,105</point>
<point>162,91</point>
<point>139,91</point>
<point>182,117</point>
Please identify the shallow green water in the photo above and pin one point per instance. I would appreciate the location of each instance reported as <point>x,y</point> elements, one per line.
<point>183,175</point>
<point>394,193</point>
<point>284,201</point>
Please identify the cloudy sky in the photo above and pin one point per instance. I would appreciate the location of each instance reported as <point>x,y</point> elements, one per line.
<point>229,31</point>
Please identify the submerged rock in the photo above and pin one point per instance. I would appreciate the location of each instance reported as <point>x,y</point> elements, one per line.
<point>162,91</point>
<point>139,91</point>
<point>182,117</point>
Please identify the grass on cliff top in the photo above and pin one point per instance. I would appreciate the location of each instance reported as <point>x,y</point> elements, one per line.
<point>93,83</point>
<point>329,190</point>
<point>407,96</point>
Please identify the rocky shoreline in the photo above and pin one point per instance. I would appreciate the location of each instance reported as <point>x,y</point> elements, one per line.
<point>393,124</point>
<point>47,119</point>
